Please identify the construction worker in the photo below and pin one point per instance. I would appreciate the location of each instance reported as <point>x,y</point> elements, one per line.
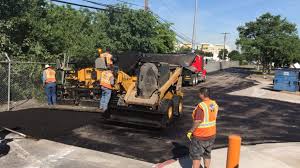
<point>107,57</point>
<point>203,133</point>
<point>49,83</point>
<point>106,82</point>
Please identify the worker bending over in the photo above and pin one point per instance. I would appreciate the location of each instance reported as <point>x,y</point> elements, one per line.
<point>203,133</point>
<point>107,57</point>
<point>49,82</point>
<point>106,82</point>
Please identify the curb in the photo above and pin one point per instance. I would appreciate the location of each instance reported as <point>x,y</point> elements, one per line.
<point>163,164</point>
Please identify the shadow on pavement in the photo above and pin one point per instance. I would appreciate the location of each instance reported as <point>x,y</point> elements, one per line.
<point>256,120</point>
<point>179,150</point>
<point>4,147</point>
<point>186,162</point>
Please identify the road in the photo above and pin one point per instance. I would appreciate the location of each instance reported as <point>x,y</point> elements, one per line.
<point>257,120</point>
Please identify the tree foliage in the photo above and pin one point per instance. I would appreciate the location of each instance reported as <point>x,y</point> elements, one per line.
<point>270,39</point>
<point>223,55</point>
<point>236,56</point>
<point>207,54</point>
<point>39,31</point>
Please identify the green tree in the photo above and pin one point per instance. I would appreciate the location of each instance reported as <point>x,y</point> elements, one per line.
<point>139,30</point>
<point>269,39</point>
<point>39,31</point>
<point>223,55</point>
<point>236,56</point>
<point>17,22</point>
<point>184,50</point>
<point>207,54</point>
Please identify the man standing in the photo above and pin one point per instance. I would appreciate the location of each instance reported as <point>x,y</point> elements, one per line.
<point>106,82</point>
<point>49,83</point>
<point>107,57</point>
<point>203,133</point>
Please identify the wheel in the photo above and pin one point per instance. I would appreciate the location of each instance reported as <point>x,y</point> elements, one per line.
<point>177,106</point>
<point>195,80</point>
<point>166,108</point>
<point>192,82</point>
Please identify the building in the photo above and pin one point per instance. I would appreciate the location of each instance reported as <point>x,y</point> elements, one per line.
<point>206,47</point>
<point>185,45</point>
<point>215,49</point>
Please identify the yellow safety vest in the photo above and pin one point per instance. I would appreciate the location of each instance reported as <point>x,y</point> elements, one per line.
<point>207,127</point>
<point>50,76</point>
<point>107,57</point>
<point>105,79</point>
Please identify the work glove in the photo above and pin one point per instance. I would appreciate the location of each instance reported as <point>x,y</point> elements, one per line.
<point>189,135</point>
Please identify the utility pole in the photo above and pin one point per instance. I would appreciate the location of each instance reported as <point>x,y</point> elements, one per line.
<point>146,3</point>
<point>194,25</point>
<point>225,36</point>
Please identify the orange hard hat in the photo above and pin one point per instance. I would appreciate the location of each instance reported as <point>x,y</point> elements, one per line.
<point>99,50</point>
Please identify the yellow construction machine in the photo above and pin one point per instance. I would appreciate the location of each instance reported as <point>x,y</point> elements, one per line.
<point>146,92</point>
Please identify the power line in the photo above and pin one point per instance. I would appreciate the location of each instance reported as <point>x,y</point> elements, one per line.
<point>187,38</point>
<point>98,3</point>
<point>178,34</point>
<point>114,7</point>
<point>80,5</point>
<point>129,3</point>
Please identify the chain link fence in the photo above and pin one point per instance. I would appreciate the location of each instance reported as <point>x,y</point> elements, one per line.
<point>20,83</point>
<point>4,86</point>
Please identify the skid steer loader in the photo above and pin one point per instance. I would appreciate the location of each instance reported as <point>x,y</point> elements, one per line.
<point>147,92</point>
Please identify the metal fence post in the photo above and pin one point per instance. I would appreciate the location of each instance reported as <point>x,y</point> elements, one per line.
<point>8,82</point>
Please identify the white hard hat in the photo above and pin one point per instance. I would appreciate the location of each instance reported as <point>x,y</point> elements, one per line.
<point>47,66</point>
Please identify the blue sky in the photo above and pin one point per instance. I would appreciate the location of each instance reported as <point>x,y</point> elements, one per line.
<point>215,16</point>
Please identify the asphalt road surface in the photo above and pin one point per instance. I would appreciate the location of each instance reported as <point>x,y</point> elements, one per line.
<point>256,120</point>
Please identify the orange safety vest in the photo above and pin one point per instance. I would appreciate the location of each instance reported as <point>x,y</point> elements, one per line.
<point>105,79</point>
<point>50,75</point>
<point>107,57</point>
<point>207,127</point>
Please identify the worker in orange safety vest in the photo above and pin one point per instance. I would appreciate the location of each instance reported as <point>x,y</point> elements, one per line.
<point>107,57</point>
<point>106,82</point>
<point>203,133</point>
<point>49,83</point>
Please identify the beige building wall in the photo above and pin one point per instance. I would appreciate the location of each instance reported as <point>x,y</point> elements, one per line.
<point>215,49</point>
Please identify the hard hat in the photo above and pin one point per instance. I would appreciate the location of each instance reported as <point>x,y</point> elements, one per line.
<point>99,50</point>
<point>47,66</point>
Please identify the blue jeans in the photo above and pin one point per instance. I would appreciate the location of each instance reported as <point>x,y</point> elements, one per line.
<point>105,97</point>
<point>50,89</point>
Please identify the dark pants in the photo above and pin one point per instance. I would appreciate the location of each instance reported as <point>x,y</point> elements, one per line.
<point>50,89</point>
<point>201,148</point>
<point>105,97</point>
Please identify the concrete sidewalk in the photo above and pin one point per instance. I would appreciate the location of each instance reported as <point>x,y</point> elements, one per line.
<point>283,155</point>
<point>25,153</point>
